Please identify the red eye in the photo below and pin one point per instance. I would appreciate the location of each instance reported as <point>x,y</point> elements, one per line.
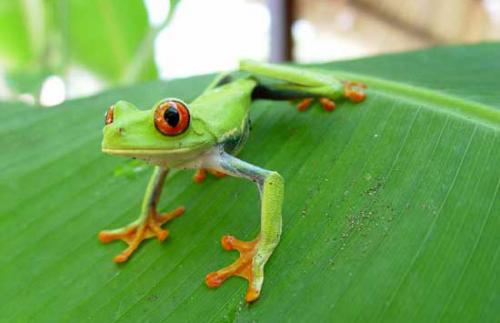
<point>108,117</point>
<point>171,118</point>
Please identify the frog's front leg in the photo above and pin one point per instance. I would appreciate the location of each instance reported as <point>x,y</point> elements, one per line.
<point>253,254</point>
<point>148,224</point>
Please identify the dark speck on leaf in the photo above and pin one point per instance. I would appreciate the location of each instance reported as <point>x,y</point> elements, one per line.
<point>374,189</point>
<point>152,298</point>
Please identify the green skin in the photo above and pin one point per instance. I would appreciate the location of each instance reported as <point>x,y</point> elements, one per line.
<point>218,127</point>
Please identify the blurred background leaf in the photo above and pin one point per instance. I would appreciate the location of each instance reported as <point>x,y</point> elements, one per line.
<point>22,43</point>
<point>105,35</point>
<point>111,39</point>
<point>19,46</point>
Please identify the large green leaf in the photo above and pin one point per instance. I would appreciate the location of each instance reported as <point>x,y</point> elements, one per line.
<point>392,209</point>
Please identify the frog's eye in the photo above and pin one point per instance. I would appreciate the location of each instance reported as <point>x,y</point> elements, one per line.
<point>171,118</point>
<point>108,117</point>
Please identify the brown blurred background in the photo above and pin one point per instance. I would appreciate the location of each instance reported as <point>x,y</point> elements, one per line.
<point>332,29</point>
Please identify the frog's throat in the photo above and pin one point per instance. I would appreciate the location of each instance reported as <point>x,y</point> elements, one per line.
<point>188,157</point>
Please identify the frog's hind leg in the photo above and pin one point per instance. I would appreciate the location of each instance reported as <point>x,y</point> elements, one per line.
<point>255,253</point>
<point>304,99</point>
<point>149,223</point>
<point>302,84</point>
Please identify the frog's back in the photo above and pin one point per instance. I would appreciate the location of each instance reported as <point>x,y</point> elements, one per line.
<point>224,111</point>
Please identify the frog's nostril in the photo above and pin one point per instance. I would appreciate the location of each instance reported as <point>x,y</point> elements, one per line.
<point>121,131</point>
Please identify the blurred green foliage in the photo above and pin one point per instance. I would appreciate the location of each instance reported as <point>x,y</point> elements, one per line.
<point>110,38</point>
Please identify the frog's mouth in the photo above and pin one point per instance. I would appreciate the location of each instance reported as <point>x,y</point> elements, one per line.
<point>153,152</point>
<point>183,153</point>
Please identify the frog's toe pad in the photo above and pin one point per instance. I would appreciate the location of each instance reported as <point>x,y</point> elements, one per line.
<point>201,174</point>
<point>243,267</point>
<point>326,103</point>
<point>304,104</point>
<point>134,233</point>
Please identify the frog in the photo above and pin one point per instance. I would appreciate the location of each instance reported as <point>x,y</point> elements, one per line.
<point>206,135</point>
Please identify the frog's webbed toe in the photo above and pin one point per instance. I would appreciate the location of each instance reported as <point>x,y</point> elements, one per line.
<point>245,266</point>
<point>139,230</point>
<point>354,91</point>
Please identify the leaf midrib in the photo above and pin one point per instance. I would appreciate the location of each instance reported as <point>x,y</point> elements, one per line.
<point>470,111</point>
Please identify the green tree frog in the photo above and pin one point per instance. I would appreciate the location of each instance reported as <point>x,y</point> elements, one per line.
<point>207,135</point>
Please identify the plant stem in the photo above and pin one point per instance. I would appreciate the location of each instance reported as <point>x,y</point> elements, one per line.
<point>136,67</point>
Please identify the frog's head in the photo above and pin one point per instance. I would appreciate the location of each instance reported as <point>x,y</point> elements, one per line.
<point>167,132</point>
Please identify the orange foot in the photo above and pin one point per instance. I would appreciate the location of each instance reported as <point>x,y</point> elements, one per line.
<point>354,91</point>
<point>327,104</point>
<point>243,267</point>
<point>134,233</point>
<point>201,174</point>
